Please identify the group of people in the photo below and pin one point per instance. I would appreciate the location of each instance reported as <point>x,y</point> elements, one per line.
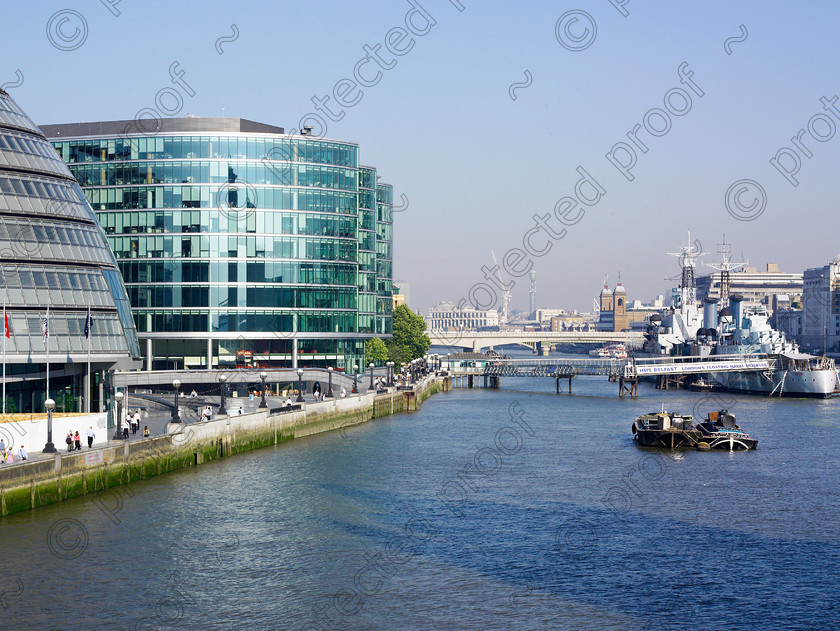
<point>131,423</point>
<point>7,454</point>
<point>74,441</point>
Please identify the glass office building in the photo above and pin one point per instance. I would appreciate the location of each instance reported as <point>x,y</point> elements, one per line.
<point>239,245</point>
<point>55,268</point>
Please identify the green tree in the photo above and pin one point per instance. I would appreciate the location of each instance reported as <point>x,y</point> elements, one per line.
<point>410,333</point>
<point>375,351</point>
<point>396,353</point>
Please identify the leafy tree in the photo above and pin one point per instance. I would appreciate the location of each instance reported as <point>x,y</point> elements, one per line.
<point>396,353</point>
<point>11,406</point>
<point>409,333</point>
<point>375,351</point>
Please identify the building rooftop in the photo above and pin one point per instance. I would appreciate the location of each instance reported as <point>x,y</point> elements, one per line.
<point>191,124</point>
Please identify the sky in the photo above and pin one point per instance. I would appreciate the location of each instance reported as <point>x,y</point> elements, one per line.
<point>715,91</point>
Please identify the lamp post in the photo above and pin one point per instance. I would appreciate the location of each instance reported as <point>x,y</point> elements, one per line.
<point>355,379</point>
<point>176,418</point>
<point>370,365</point>
<point>390,366</point>
<point>263,377</point>
<point>329,387</point>
<point>300,386</point>
<point>49,448</point>
<point>118,434</point>
<point>222,384</point>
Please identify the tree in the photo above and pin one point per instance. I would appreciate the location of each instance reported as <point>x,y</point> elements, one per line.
<point>375,351</point>
<point>396,353</point>
<point>409,333</point>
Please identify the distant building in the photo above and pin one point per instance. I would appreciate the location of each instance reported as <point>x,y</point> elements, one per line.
<point>615,315</point>
<point>446,316</point>
<point>567,322</point>
<point>821,306</point>
<point>756,287</point>
<point>402,290</point>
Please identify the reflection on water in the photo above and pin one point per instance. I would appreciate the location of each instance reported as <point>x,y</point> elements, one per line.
<point>497,509</point>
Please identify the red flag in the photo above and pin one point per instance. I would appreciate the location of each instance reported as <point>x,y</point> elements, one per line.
<point>6,321</point>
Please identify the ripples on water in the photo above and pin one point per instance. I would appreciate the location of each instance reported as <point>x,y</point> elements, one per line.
<point>579,529</point>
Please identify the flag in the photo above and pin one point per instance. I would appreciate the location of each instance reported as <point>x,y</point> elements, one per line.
<point>88,324</point>
<point>6,322</point>
<point>45,327</point>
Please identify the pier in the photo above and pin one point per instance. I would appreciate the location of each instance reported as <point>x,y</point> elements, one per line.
<point>474,369</point>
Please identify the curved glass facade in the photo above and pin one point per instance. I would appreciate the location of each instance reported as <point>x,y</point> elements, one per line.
<point>248,246</point>
<point>54,256</point>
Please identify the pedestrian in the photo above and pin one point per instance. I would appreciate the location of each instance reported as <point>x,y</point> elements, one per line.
<point>69,440</point>
<point>22,455</point>
<point>193,394</point>
<point>207,414</point>
<point>78,440</point>
<point>91,436</point>
<point>125,428</point>
<point>146,431</point>
<point>2,446</point>
<point>10,457</point>
<point>343,393</point>
<point>136,420</point>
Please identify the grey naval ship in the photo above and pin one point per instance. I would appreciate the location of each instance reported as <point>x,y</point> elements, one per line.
<point>731,329</point>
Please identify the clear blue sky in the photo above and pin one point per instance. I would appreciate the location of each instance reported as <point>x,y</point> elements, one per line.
<point>476,165</point>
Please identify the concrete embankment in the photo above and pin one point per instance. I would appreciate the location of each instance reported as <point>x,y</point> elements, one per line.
<point>28,485</point>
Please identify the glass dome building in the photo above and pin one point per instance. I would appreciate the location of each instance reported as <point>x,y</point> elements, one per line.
<point>55,268</point>
<point>239,245</point>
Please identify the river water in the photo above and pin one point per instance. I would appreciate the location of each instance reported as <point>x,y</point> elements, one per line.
<point>514,508</point>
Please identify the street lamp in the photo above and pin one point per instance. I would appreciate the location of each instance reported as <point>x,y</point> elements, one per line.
<point>355,379</point>
<point>263,377</point>
<point>329,388</point>
<point>176,418</point>
<point>49,448</point>
<point>118,434</point>
<point>300,386</point>
<point>370,365</point>
<point>222,384</point>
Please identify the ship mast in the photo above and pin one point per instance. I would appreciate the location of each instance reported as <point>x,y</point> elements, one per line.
<point>688,256</point>
<point>725,267</point>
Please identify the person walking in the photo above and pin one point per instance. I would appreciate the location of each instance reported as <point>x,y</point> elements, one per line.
<point>78,441</point>
<point>90,436</point>
<point>22,455</point>
<point>136,420</point>
<point>125,428</point>
<point>69,440</point>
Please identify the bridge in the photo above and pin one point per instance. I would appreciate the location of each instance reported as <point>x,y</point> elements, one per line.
<point>626,371</point>
<point>538,341</point>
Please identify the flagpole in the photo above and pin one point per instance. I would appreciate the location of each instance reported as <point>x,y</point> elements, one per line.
<point>4,357</point>
<point>88,384</point>
<point>47,343</point>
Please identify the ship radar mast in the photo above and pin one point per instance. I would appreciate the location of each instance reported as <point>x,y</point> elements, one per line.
<point>725,268</point>
<point>688,256</point>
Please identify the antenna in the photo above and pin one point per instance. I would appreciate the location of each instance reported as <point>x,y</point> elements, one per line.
<point>505,292</point>
<point>725,267</point>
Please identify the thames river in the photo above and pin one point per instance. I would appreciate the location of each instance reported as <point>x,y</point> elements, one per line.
<point>514,508</point>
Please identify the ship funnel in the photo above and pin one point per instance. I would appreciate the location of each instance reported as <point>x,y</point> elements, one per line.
<point>737,309</point>
<point>710,313</point>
